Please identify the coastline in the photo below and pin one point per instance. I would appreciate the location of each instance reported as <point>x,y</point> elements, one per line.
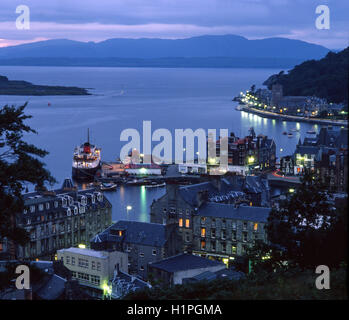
<point>277,116</point>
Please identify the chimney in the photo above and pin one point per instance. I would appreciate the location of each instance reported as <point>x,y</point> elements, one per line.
<point>201,197</point>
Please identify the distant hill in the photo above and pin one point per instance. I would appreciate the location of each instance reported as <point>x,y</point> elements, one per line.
<point>165,52</point>
<point>326,78</point>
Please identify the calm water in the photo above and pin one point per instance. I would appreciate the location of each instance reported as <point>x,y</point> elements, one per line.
<point>123,98</point>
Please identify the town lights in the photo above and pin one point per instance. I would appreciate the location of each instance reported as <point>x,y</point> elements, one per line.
<point>143,170</point>
<point>291,190</point>
<point>82,246</point>
<point>250,160</point>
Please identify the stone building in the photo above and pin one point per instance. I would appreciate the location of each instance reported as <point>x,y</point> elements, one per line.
<point>224,231</point>
<point>143,242</point>
<point>93,269</point>
<point>60,219</point>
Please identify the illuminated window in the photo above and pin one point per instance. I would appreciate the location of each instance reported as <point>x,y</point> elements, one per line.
<point>120,233</point>
<point>203,244</point>
<point>255,227</point>
<point>187,223</point>
<point>180,222</point>
<point>233,249</point>
<point>203,232</point>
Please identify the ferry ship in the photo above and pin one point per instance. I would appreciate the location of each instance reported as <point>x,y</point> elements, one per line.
<point>86,161</point>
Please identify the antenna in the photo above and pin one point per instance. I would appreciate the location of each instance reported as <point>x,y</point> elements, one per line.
<point>88,135</point>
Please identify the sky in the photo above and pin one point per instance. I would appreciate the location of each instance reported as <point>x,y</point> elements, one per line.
<point>97,20</point>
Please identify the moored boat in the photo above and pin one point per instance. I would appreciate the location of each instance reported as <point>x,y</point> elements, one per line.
<point>86,161</point>
<point>108,186</point>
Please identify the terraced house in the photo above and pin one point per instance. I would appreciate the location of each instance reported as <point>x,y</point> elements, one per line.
<point>224,231</point>
<point>60,219</point>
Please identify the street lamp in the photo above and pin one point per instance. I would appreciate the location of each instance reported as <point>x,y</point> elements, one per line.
<point>128,208</point>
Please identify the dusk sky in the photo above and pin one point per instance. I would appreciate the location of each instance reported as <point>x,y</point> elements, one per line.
<point>97,20</point>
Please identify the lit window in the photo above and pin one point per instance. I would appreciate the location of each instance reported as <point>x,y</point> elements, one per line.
<point>180,222</point>
<point>154,252</point>
<point>203,232</point>
<point>233,249</point>
<point>120,233</point>
<point>203,244</point>
<point>255,227</point>
<point>187,223</point>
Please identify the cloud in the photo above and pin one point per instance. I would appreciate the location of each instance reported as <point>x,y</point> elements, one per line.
<point>91,20</point>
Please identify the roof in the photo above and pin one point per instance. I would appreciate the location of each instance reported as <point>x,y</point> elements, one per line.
<point>52,289</point>
<point>189,192</point>
<point>229,211</point>
<point>85,252</point>
<point>144,233</point>
<point>184,262</point>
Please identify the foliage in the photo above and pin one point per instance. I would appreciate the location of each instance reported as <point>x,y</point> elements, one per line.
<point>19,164</point>
<point>291,284</point>
<point>326,78</point>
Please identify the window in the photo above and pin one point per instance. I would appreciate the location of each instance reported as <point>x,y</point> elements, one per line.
<point>141,254</point>
<point>83,263</point>
<point>56,204</point>
<point>213,245</point>
<point>233,235</point>
<point>213,233</point>
<point>245,225</point>
<point>83,276</point>
<point>141,268</point>
<point>203,232</point>
<point>213,222</point>
<point>32,209</point>
<point>187,238</point>
<point>203,244</point>
<point>41,207</point>
<point>67,260</point>
<point>223,234</point>
<point>233,225</point>
<point>1,247</point>
<point>154,252</point>
<point>233,249</point>
<point>93,265</point>
<point>95,280</point>
<point>47,205</point>
<point>255,226</point>
<point>203,220</point>
<point>129,248</point>
<point>224,246</point>
<point>187,211</point>
<point>98,266</point>
<point>244,236</point>
<point>187,223</point>
<point>25,211</point>
<point>180,222</point>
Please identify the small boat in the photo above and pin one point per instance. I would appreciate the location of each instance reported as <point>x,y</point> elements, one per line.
<point>290,135</point>
<point>108,186</point>
<point>311,132</point>
<point>155,185</point>
<point>284,133</point>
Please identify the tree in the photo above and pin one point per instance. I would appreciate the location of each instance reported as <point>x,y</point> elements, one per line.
<point>19,165</point>
<point>303,223</point>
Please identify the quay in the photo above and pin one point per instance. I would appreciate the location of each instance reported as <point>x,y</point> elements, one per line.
<point>277,116</point>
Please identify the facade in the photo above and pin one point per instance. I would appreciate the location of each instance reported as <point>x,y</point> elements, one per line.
<point>174,270</point>
<point>60,219</point>
<point>254,152</point>
<point>224,231</point>
<point>93,269</point>
<point>143,242</point>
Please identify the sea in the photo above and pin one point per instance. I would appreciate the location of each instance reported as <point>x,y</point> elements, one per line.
<point>122,98</point>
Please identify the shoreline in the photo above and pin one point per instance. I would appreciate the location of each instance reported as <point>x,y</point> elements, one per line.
<point>277,116</point>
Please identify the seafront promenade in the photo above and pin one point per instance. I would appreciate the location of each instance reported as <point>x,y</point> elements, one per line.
<point>273,115</point>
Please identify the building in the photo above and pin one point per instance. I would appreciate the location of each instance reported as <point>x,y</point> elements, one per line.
<point>287,165</point>
<point>224,231</point>
<point>93,269</point>
<point>143,242</point>
<point>60,219</point>
<point>143,169</point>
<point>180,203</point>
<point>174,270</point>
<point>253,152</point>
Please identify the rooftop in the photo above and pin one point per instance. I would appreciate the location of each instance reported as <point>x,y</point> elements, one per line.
<point>229,211</point>
<point>85,252</point>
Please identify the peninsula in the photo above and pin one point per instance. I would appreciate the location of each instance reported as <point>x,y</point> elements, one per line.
<point>24,88</point>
